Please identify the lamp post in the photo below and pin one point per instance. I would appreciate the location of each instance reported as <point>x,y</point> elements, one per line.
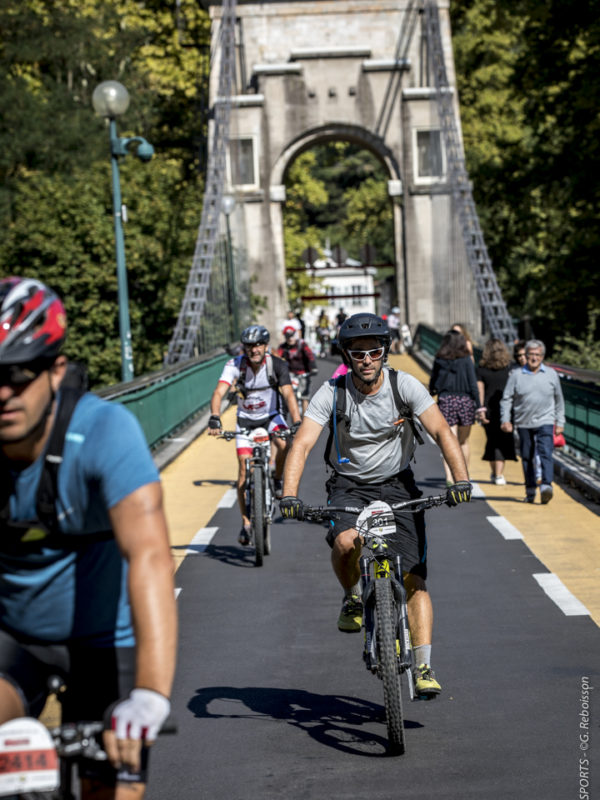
<point>227,205</point>
<point>110,100</point>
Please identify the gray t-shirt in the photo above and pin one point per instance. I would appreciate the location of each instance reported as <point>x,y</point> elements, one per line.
<point>377,448</point>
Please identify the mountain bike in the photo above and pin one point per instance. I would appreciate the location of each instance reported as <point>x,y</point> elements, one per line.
<point>40,763</point>
<point>259,490</point>
<point>387,649</point>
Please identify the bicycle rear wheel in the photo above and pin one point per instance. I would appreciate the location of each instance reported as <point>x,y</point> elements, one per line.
<point>258,515</point>
<point>387,633</point>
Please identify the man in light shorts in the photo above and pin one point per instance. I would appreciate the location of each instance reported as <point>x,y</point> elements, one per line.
<point>261,380</point>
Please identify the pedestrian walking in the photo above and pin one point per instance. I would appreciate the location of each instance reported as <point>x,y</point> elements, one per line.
<point>533,398</point>
<point>492,374</point>
<point>453,380</point>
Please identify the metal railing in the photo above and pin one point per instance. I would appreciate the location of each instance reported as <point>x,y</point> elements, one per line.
<point>581,390</point>
<point>169,399</point>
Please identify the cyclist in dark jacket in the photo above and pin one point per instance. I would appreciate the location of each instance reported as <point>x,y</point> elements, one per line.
<point>454,381</point>
<point>301,361</point>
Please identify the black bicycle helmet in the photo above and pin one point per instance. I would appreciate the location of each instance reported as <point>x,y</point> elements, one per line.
<point>33,323</point>
<point>359,326</point>
<point>255,334</point>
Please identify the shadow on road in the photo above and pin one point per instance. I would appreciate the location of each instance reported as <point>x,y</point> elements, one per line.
<point>235,556</point>
<point>332,720</point>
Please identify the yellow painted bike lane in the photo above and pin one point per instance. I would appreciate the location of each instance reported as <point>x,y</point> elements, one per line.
<point>564,535</point>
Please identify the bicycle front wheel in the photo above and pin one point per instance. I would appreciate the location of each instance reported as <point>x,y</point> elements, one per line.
<point>258,515</point>
<point>387,634</point>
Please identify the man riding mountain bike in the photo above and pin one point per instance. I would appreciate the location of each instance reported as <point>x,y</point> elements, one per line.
<point>261,380</point>
<point>372,415</point>
<point>86,574</point>
<point>300,359</point>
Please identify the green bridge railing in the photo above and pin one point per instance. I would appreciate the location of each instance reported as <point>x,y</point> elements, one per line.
<point>166,400</point>
<point>581,390</point>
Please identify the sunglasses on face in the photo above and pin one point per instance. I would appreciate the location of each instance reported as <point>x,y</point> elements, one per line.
<point>360,355</point>
<point>20,374</point>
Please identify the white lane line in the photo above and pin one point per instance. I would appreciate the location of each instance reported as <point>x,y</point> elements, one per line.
<point>177,593</point>
<point>477,490</point>
<point>229,499</point>
<point>559,594</point>
<point>201,540</point>
<point>504,526</point>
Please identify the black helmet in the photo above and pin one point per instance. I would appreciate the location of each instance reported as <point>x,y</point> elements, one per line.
<point>255,334</point>
<point>361,325</point>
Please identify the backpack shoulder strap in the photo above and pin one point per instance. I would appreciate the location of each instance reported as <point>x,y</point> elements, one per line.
<point>271,371</point>
<point>338,417</point>
<point>47,490</point>
<point>405,412</point>
<point>240,385</point>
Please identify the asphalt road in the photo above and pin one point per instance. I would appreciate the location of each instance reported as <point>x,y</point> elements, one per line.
<point>273,702</point>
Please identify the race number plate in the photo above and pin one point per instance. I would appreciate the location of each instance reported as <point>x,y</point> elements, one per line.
<point>378,519</point>
<point>28,760</point>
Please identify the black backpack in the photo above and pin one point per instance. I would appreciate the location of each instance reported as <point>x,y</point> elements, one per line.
<point>339,418</point>
<point>72,389</point>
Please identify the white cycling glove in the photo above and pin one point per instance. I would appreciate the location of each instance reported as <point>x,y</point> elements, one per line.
<point>140,716</point>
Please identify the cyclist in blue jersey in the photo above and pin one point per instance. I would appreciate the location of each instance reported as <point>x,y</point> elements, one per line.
<point>86,574</point>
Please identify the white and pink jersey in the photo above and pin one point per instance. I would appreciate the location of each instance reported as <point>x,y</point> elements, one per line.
<point>261,399</point>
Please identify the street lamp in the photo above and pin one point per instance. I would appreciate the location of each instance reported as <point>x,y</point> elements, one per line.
<point>227,206</point>
<point>110,100</point>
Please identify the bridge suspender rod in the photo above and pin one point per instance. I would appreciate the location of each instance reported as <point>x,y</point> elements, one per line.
<point>183,341</point>
<point>496,314</point>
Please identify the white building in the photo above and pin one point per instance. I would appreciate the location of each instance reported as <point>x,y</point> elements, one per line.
<point>350,287</point>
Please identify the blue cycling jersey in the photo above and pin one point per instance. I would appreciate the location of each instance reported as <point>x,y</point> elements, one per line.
<point>77,593</point>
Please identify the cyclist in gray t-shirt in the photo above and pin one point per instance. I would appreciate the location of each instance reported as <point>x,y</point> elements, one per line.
<point>370,461</point>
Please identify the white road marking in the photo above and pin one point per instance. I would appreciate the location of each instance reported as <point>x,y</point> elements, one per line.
<point>504,526</point>
<point>201,541</point>
<point>559,594</point>
<point>177,593</point>
<point>229,499</point>
<point>477,490</point>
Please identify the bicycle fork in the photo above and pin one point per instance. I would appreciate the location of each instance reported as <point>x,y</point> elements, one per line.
<point>403,644</point>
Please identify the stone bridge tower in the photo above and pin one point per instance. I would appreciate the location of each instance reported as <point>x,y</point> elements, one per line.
<point>312,71</point>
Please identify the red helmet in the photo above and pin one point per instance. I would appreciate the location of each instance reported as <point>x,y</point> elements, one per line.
<point>33,323</point>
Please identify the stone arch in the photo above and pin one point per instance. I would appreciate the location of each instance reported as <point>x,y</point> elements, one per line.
<point>334,132</point>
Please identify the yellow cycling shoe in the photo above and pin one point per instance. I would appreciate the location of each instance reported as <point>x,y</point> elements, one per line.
<point>351,615</point>
<point>426,685</point>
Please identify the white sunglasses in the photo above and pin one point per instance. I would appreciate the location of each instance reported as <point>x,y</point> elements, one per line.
<point>360,355</point>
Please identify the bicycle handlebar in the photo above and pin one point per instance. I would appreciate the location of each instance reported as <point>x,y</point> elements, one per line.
<point>286,433</point>
<point>321,513</point>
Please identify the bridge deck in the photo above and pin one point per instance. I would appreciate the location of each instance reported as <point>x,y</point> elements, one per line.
<point>563,535</point>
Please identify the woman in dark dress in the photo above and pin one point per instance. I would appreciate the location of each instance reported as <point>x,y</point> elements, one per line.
<point>492,374</point>
<point>453,380</point>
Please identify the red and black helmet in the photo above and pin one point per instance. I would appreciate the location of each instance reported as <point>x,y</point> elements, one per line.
<point>33,323</point>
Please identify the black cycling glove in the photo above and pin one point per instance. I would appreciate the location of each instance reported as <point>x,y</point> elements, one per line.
<point>214,422</point>
<point>291,507</point>
<point>294,427</point>
<point>459,493</point>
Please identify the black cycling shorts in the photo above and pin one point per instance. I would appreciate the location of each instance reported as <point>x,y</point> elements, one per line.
<point>96,678</point>
<point>411,541</point>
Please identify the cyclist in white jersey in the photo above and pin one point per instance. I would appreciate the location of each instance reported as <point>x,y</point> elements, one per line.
<point>261,381</point>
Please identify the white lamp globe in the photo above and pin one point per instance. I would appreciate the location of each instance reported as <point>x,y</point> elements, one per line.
<point>110,99</point>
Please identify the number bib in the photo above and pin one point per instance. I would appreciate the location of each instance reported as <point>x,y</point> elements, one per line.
<point>378,519</point>
<point>28,760</point>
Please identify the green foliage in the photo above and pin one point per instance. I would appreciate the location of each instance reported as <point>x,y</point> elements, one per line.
<point>55,183</point>
<point>338,193</point>
<point>62,233</point>
<point>529,91</point>
<point>585,352</point>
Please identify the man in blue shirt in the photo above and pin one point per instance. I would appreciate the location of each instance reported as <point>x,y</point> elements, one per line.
<point>533,398</point>
<point>86,589</point>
